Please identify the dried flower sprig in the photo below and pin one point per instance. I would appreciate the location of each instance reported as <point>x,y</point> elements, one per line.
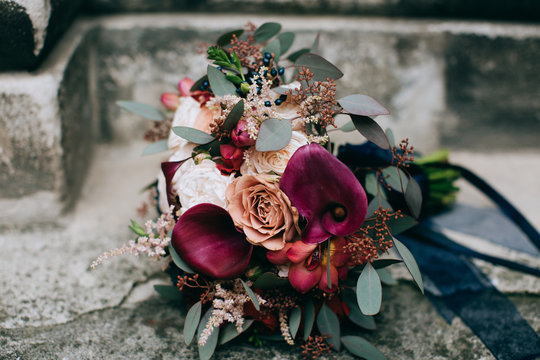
<point>316,346</point>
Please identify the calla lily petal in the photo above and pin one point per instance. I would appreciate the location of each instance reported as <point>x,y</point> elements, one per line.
<point>169,169</point>
<point>303,279</point>
<point>299,251</point>
<point>279,257</point>
<point>206,239</point>
<point>332,200</point>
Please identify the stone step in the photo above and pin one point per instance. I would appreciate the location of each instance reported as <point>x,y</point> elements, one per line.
<point>446,83</point>
<point>49,293</point>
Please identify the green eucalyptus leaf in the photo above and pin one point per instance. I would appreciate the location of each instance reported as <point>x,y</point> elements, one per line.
<point>294,321</point>
<point>252,295</point>
<point>396,178</point>
<point>401,224</point>
<point>286,39</point>
<point>207,350</point>
<point>226,38</point>
<point>356,316</point>
<point>370,130</point>
<point>270,280</point>
<point>388,258</point>
<point>191,323</point>
<point>319,66</point>
<point>266,31</point>
<point>315,45</point>
<point>386,277</point>
<point>377,202</point>
<point>309,318</point>
<point>273,47</point>
<point>156,147</point>
<point>193,135</point>
<point>369,291</point>
<point>362,105</point>
<point>274,135</point>
<point>328,323</point>
<point>410,263</point>
<point>348,127</point>
<point>372,186</point>
<point>390,136</point>
<point>360,347</point>
<point>144,110</point>
<point>229,331</point>
<point>233,117</point>
<point>179,262</point>
<point>295,55</point>
<point>168,292</point>
<point>413,197</point>
<point>219,83</point>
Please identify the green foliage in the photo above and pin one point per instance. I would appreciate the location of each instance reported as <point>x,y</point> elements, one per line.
<point>396,178</point>
<point>413,197</point>
<point>219,83</point>
<point>295,55</point>
<point>410,263</point>
<point>371,130</point>
<point>355,315</point>
<point>207,350</point>
<point>376,202</point>
<point>328,323</point>
<point>179,262</point>
<point>171,293</point>
<point>309,318</point>
<point>252,295</point>
<point>270,280</point>
<point>137,229</point>
<point>233,117</point>
<point>348,127</point>
<point>193,135</point>
<point>196,86</point>
<point>266,31</point>
<point>369,291</point>
<point>294,320</point>
<point>386,276</point>
<point>274,135</point>
<point>362,105</point>
<point>156,147</point>
<point>319,66</point>
<point>286,39</point>
<point>273,47</point>
<point>144,110</point>
<point>361,347</point>
<point>230,332</point>
<point>191,322</point>
<point>226,38</point>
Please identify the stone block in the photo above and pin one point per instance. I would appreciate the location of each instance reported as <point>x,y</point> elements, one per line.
<point>46,133</point>
<point>29,29</point>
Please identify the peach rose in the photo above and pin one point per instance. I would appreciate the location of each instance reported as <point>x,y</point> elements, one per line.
<point>262,210</point>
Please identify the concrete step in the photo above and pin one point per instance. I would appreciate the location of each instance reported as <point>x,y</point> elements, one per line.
<point>54,307</point>
<point>464,85</point>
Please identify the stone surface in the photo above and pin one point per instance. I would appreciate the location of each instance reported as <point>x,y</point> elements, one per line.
<point>483,9</point>
<point>29,29</point>
<point>46,133</point>
<point>54,307</point>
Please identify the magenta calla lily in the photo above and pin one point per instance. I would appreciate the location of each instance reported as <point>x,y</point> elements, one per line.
<point>207,240</point>
<point>325,192</point>
<point>170,168</point>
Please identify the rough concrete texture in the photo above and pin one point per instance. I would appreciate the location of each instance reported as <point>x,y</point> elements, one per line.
<point>54,307</point>
<point>46,133</point>
<point>28,28</point>
<point>483,9</point>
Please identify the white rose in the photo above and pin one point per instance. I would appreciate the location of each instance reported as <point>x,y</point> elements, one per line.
<point>262,162</point>
<point>202,183</point>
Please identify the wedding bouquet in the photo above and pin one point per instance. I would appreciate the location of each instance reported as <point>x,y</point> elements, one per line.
<point>267,232</point>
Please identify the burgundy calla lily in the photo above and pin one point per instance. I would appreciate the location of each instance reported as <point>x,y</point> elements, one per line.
<point>207,240</point>
<point>169,168</point>
<point>331,199</point>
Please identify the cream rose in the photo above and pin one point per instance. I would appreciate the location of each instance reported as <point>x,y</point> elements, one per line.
<point>262,211</point>
<point>203,183</point>
<point>272,161</point>
<point>189,114</point>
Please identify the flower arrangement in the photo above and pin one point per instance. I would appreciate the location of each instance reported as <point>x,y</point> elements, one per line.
<point>264,229</point>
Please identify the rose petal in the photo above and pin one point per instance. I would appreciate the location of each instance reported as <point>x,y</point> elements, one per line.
<point>330,185</point>
<point>302,279</point>
<point>184,86</point>
<point>170,100</point>
<point>207,240</point>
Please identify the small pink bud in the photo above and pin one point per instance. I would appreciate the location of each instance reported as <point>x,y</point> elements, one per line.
<point>240,136</point>
<point>170,101</point>
<point>184,86</point>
